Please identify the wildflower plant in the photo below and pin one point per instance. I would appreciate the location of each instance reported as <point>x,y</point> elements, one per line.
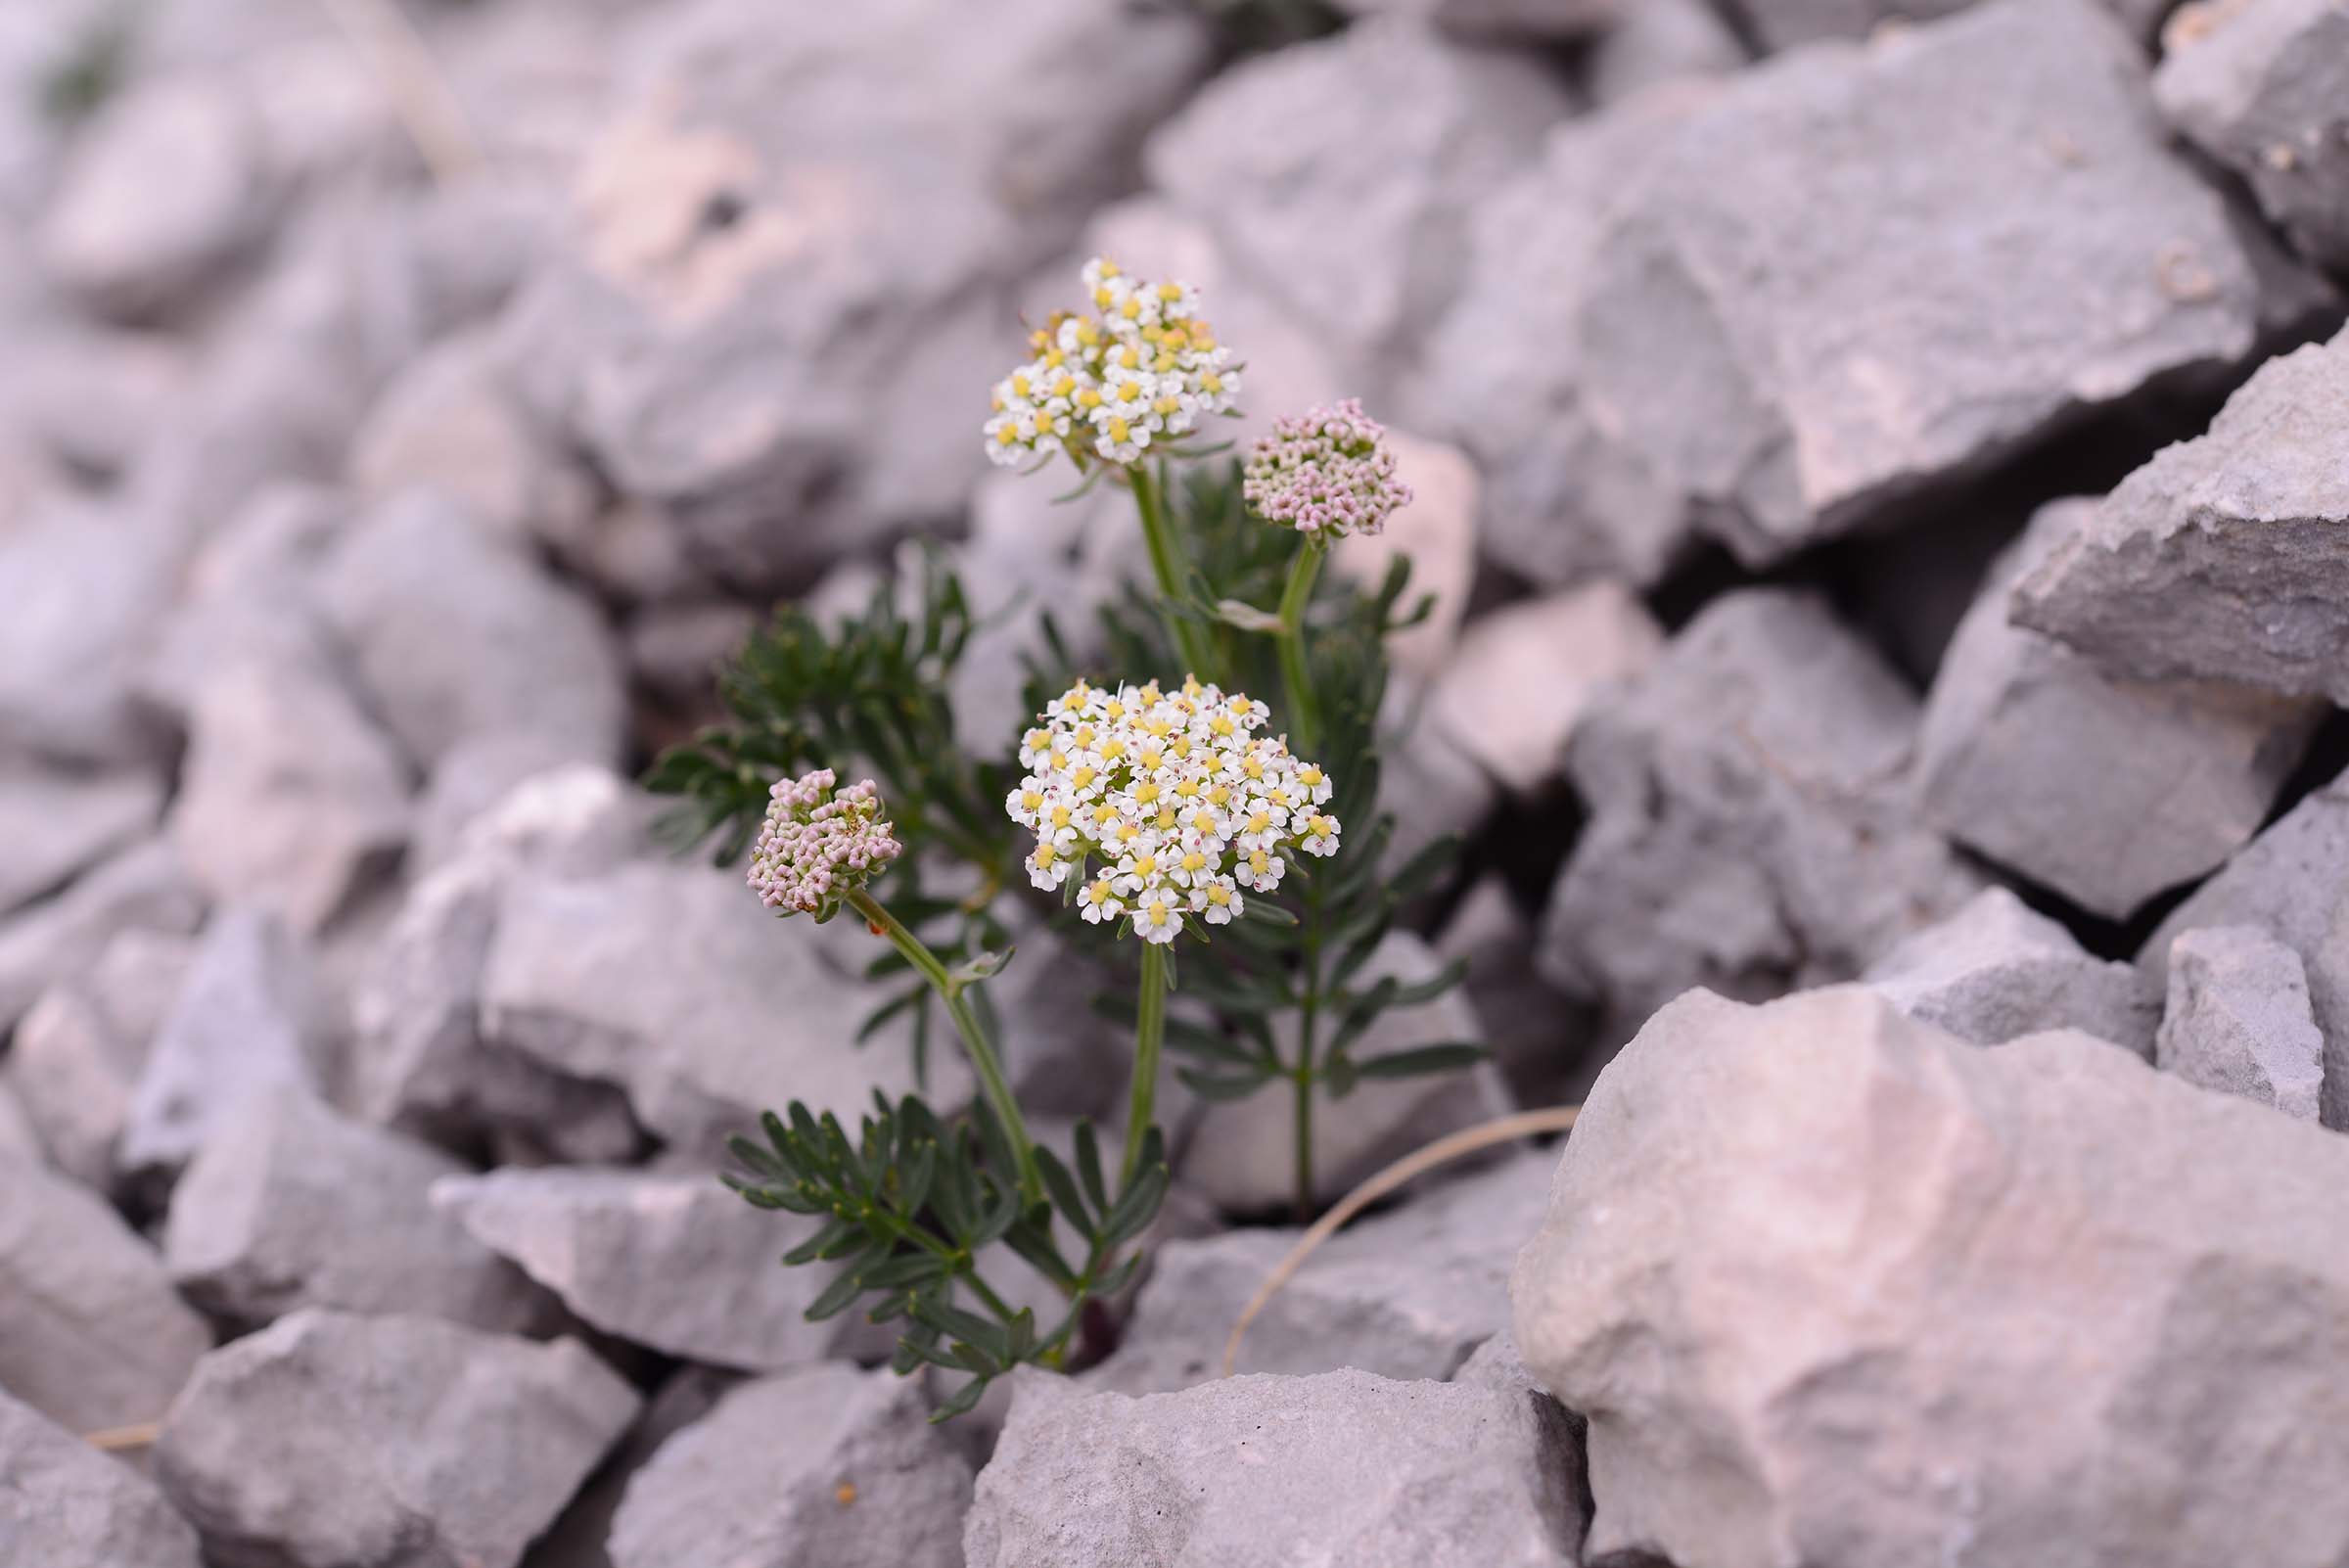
<point>1154,802</point>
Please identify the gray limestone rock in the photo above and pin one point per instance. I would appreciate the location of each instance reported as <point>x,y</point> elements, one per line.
<point>1255,1471</point>
<point>1532,18</point>
<point>145,888</point>
<point>333,1440</point>
<point>1525,675</point>
<point>862,1480</point>
<point>2107,790</point>
<point>251,1018</point>
<point>673,1260</point>
<point>2263,86</point>
<point>1812,1270</point>
<point>2238,1020</point>
<point>1762,310</point>
<point>290,1204</point>
<point>1752,825</point>
<point>83,587</point>
<point>1996,971</point>
<point>1406,1294</point>
<point>56,824</point>
<point>68,1505</point>
<point>78,1052</point>
<point>2221,558</point>
<point>1656,41</point>
<point>456,632</point>
<point>93,1336</point>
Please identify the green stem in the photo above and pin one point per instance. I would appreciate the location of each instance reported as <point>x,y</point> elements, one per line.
<point>994,1303</point>
<point>1308,1014</point>
<point>991,1080</point>
<point>1149,1034</point>
<point>1293,600</point>
<point>1166,564</point>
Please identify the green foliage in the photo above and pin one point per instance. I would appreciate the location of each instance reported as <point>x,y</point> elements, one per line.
<point>910,1207</point>
<point>93,69</point>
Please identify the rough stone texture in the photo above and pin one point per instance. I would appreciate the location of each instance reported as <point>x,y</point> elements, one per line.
<point>673,1260</point>
<point>1407,1294</point>
<point>2221,558</point>
<point>579,1538</point>
<point>1730,308</point>
<point>1811,1270</point>
<point>663,977</point>
<point>456,632</point>
<point>1751,827</point>
<point>290,1204</point>
<point>793,245</point>
<point>863,1480</point>
<point>1526,673</point>
<point>291,797</point>
<point>56,824</point>
<point>68,1505</point>
<point>2107,790</point>
<point>78,1054</point>
<point>1239,1154</point>
<point>93,1336</point>
<point>1529,18</point>
<point>450,1447</point>
<point>2263,86</point>
<point>2238,1021</point>
<point>1260,1470</point>
<point>144,888</point>
<point>472,777</point>
<point>419,1059</point>
<point>81,587</point>
<point>249,1018</point>
<point>1656,41</point>
<point>2291,882</point>
<point>18,1139</point>
<point>162,189</point>
<point>1340,173</point>
<point>1996,971</point>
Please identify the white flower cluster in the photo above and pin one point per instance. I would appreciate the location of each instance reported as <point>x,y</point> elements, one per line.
<point>1143,367</point>
<point>1165,805</point>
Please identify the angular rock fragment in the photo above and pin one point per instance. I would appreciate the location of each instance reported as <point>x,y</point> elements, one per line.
<point>2263,86</point>
<point>2220,559</point>
<point>93,1336</point>
<point>1712,311</point>
<point>1408,1294</point>
<point>2291,882</point>
<point>78,1052</point>
<point>1240,1155</point>
<point>1339,172</point>
<point>1265,1469</point>
<point>1656,41</point>
<point>456,632</point>
<point>2107,790</point>
<point>665,978</point>
<point>82,588</point>
<point>1812,1269</point>
<point>863,1480</point>
<point>2238,1020</point>
<point>671,1260</point>
<point>19,1141</point>
<point>145,888</point>
<point>55,824</point>
<point>68,1505</point>
<point>1996,971</point>
<point>333,1441</point>
<point>290,1204</point>
<point>1525,675</point>
<point>1751,825</point>
<point>250,1019</point>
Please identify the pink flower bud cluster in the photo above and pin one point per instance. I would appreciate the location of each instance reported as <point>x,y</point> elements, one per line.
<point>1328,473</point>
<point>818,844</point>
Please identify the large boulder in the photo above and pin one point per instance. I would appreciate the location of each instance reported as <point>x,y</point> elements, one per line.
<point>1751,826</point>
<point>93,1336</point>
<point>68,1505</point>
<point>330,1440</point>
<point>1835,1287</point>
<point>2220,559</point>
<point>864,1481</point>
<point>1762,310</point>
<point>1258,1470</point>
<point>2263,86</point>
<point>788,290</point>
<point>2107,790</point>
